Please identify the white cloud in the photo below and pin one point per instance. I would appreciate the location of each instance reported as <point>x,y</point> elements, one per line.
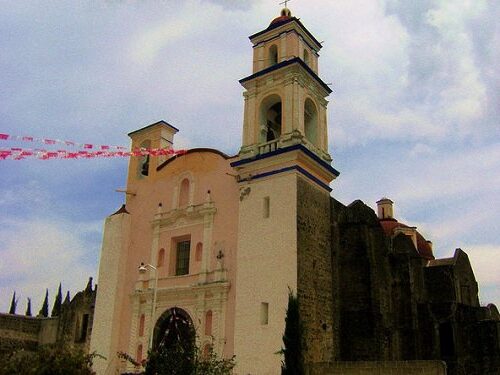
<point>38,254</point>
<point>484,262</point>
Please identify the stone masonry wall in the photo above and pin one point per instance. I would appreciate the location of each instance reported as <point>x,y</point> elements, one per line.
<point>18,331</point>
<point>314,278</point>
<point>380,368</point>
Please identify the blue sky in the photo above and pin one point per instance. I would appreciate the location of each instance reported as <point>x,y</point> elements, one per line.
<point>413,116</point>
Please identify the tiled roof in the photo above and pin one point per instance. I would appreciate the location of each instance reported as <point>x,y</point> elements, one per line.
<point>423,247</point>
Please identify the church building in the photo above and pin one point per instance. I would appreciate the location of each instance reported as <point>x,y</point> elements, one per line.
<point>207,246</point>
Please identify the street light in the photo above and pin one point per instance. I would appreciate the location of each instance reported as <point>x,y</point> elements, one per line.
<point>142,269</point>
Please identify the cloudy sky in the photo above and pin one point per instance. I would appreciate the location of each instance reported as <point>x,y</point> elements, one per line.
<point>413,116</point>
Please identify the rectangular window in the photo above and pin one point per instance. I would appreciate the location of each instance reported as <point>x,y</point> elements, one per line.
<point>264,313</point>
<point>267,207</point>
<point>182,260</point>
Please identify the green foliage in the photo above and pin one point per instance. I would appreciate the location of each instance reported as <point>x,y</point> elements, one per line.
<point>293,363</point>
<point>44,311</point>
<point>13,304</point>
<point>183,359</point>
<point>56,309</point>
<point>28,308</point>
<point>47,360</point>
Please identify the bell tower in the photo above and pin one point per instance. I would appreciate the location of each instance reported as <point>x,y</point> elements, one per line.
<point>285,99</point>
<point>284,171</point>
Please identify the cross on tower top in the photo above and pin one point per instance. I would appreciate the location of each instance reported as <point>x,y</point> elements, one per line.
<point>285,2</point>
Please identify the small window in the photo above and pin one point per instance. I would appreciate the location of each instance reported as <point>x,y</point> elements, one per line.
<point>141,325</point>
<point>182,260</point>
<point>273,55</point>
<point>208,323</point>
<point>161,258</point>
<point>264,313</point>
<point>184,195</point>
<point>199,252</point>
<point>267,207</point>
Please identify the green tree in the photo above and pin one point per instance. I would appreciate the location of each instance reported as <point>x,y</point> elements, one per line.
<point>13,304</point>
<point>56,309</point>
<point>44,311</point>
<point>28,308</point>
<point>293,362</point>
<point>47,360</point>
<point>183,359</point>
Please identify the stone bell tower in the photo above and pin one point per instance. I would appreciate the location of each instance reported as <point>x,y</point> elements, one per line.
<point>284,171</point>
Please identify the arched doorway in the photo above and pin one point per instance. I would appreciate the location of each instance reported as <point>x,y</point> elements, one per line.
<point>173,328</point>
<point>270,118</point>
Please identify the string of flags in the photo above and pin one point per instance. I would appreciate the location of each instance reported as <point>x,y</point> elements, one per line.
<point>87,150</point>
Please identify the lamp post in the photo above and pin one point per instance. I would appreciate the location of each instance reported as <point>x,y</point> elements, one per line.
<point>142,269</point>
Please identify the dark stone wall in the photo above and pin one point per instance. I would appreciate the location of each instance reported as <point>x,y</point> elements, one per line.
<point>314,274</point>
<point>390,305</point>
<point>364,285</point>
<point>73,327</point>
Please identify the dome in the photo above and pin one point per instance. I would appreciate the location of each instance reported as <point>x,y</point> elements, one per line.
<point>423,247</point>
<point>285,15</point>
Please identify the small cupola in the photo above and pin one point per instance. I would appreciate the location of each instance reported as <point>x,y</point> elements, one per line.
<point>385,209</point>
<point>285,15</point>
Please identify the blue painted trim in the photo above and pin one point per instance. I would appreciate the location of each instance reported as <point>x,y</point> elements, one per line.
<point>296,168</point>
<point>273,26</point>
<point>285,63</point>
<point>288,149</point>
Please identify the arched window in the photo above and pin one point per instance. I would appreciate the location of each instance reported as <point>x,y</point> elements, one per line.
<point>184,194</point>
<point>141,325</point>
<point>271,118</point>
<point>144,160</point>
<point>208,323</point>
<point>273,55</point>
<point>199,252</point>
<point>161,258</point>
<point>310,121</point>
<point>306,57</point>
<point>139,353</point>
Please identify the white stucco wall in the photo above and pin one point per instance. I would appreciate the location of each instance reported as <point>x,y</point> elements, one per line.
<point>105,329</point>
<point>267,267</point>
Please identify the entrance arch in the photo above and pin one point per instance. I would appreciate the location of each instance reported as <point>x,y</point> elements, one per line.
<point>174,327</point>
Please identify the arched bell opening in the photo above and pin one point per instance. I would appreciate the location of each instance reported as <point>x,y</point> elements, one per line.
<point>273,55</point>
<point>271,118</point>
<point>174,329</point>
<point>311,121</point>
<point>306,57</point>
<point>144,160</point>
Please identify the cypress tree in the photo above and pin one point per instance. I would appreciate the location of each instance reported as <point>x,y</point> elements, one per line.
<point>44,311</point>
<point>67,299</point>
<point>293,363</point>
<point>56,309</point>
<point>13,304</point>
<point>28,308</point>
